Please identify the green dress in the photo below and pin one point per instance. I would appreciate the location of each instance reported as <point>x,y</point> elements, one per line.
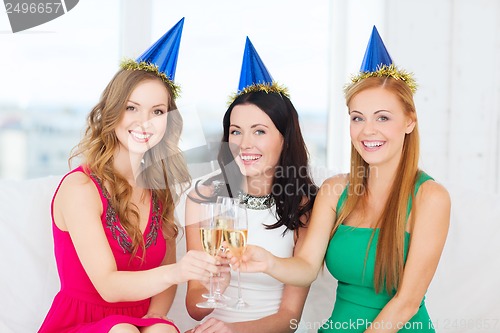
<point>357,304</point>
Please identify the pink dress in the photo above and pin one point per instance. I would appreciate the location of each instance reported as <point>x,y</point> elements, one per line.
<point>78,307</point>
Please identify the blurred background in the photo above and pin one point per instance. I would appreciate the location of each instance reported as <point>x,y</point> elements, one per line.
<point>53,74</point>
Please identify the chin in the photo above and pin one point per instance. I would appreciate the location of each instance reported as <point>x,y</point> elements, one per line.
<point>249,172</point>
<point>137,150</point>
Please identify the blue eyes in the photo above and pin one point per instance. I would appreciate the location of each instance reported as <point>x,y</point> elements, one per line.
<point>257,132</point>
<point>358,119</point>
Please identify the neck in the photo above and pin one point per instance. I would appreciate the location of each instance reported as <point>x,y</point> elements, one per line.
<point>381,178</point>
<point>257,186</point>
<point>128,166</point>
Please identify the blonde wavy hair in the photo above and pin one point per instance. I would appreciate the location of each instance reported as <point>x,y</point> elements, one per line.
<point>165,171</point>
<point>389,261</point>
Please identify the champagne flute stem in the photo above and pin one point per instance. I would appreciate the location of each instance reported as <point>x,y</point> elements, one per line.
<point>211,287</point>
<point>240,304</point>
<point>240,297</point>
<point>217,290</point>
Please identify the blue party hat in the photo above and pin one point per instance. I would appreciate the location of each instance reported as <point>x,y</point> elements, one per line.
<point>376,54</point>
<point>253,70</point>
<point>164,52</point>
<point>161,57</point>
<point>378,63</point>
<point>255,76</point>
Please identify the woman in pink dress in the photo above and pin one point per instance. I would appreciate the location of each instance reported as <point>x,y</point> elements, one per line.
<point>113,216</point>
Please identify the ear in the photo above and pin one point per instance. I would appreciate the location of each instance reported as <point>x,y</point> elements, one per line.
<point>410,125</point>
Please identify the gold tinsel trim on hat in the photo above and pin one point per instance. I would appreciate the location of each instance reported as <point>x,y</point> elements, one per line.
<point>129,64</point>
<point>265,87</point>
<point>387,71</point>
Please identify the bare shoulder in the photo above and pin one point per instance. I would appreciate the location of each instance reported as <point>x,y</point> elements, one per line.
<point>330,192</point>
<point>77,187</point>
<point>335,185</point>
<point>195,198</point>
<point>432,192</point>
<point>432,206</point>
<point>76,199</point>
<point>77,183</point>
<point>341,178</point>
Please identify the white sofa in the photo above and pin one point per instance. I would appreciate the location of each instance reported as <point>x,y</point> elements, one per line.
<point>463,297</point>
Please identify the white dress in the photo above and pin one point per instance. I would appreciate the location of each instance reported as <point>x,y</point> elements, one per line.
<point>262,292</point>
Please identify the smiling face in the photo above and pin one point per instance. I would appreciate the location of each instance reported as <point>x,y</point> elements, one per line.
<point>378,125</point>
<point>144,121</point>
<point>256,142</point>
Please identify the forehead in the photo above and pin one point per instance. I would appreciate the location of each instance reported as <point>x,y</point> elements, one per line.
<point>375,99</point>
<point>150,91</point>
<point>249,114</point>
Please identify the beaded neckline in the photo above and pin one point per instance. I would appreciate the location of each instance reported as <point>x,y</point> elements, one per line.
<point>257,203</point>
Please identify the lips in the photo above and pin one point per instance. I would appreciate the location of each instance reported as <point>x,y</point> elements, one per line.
<point>249,158</point>
<point>140,136</point>
<point>372,145</point>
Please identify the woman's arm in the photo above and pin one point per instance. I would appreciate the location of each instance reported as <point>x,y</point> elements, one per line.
<point>77,209</point>
<point>428,236</point>
<point>302,269</point>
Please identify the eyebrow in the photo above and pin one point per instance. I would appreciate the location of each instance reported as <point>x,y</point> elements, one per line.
<point>253,126</point>
<point>378,111</point>
<point>154,106</point>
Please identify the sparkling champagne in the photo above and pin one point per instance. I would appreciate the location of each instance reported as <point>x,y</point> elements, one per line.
<point>237,240</point>
<point>211,240</point>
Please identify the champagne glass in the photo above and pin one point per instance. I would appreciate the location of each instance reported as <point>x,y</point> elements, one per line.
<point>225,214</point>
<point>236,238</point>
<point>211,238</point>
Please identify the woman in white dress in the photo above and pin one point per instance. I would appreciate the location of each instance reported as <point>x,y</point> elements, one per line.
<point>264,162</point>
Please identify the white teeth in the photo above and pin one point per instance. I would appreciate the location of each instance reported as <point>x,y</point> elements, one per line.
<point>373,144</point>
<point>140,136</point>
<point>249,158</point>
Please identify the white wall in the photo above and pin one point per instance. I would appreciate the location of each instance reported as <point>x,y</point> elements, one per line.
<point>453,48</point>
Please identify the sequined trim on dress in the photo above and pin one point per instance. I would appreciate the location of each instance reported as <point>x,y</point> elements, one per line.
<point>117,230</point>
<point>256,203</point>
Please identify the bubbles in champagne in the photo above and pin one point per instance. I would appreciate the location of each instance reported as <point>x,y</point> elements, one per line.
<point>211,240</point>
<point>237,240</point>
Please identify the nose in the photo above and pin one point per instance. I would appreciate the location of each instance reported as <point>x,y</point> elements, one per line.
<point>246,141</point>
<point>369,127</point>
<point>143,118</point>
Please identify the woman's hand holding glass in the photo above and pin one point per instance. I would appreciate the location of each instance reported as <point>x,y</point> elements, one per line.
<point>255,259</point>
<point>194,265</point>
<point>223,223</point>
<point>211,238</point>
<point>222,279</point>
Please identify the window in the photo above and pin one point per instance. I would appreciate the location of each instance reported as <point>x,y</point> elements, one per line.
<point>52,75</point>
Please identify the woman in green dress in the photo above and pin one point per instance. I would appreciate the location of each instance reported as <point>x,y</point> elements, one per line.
<point>381,228</point>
